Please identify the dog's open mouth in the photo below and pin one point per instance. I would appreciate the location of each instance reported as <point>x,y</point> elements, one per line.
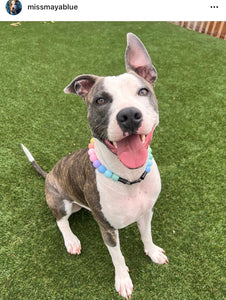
<point>132,150</point>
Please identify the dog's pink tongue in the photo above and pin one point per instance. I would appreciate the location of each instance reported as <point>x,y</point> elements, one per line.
<point>132,152</point>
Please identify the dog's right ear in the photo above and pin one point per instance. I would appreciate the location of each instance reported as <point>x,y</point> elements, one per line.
<point>81,85</point>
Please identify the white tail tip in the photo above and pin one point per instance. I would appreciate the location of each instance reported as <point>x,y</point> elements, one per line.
<point>28,154</point>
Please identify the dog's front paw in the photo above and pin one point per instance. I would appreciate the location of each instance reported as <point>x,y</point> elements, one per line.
<point>123,284</point>
<point>157,255</point>
<point>73,245</point>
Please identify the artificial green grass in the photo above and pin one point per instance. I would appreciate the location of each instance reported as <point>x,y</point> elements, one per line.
<point>37,61</point>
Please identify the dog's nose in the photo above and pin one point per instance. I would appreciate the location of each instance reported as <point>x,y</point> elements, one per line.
<point>129,119</point>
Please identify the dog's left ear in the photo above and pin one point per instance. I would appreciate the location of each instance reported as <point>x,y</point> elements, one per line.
<point>81,85</point>
<point>138,60</point>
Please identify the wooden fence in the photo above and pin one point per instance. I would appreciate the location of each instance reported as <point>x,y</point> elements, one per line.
<point>217,29</point>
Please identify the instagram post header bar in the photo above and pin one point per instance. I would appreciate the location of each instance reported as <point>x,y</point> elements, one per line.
<point>102,10</point>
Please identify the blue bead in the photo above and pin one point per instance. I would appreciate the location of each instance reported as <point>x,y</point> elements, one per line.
<point>101,169</point>
<point>150,156</point>
<point>108,173</point>
<point>148,169</point>
<point>150,163</point>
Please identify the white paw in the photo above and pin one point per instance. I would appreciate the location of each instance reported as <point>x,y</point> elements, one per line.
<point>123,284</point>
<point>157,255</point>
<point>73,244</point>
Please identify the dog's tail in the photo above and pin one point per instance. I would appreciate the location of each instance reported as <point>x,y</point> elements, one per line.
<point>33,162</point>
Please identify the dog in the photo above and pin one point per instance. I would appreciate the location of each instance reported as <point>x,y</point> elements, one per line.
<point>116,178</point>
<point>13,7</point>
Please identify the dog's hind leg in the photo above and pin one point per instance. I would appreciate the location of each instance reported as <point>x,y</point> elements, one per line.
<point>71,241</point>
<point>62,209</point>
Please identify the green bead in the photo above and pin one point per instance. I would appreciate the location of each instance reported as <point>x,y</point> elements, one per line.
<point>115,177</point>
<point>150,156</point>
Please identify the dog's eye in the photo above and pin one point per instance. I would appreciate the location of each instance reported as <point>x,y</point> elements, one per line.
<point>100,101</point>
<point>143,92</point>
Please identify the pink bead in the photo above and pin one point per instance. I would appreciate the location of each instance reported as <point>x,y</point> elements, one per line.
<point>93,157</point>
<point>91,151</point>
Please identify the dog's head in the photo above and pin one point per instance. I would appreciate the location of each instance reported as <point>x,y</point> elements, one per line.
<point>123,110</point>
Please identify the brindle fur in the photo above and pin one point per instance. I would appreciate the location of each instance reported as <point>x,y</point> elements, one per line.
<point>73,179</point>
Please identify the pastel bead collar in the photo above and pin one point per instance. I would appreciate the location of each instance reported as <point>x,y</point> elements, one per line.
<point>109,174</point>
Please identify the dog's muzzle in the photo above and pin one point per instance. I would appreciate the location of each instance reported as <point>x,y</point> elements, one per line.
<point>129,119</point>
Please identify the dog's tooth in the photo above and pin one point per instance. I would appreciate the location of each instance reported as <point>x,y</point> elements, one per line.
<point>115,144</point>
<point>143,138</point>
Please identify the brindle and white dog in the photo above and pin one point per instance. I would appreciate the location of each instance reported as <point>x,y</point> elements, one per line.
<point>122,114</point>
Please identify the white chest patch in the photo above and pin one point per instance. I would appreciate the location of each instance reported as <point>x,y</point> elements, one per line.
<point>122,204</point>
